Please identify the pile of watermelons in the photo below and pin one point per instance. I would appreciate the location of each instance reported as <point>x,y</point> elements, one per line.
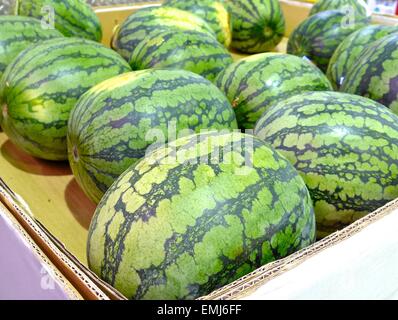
<point>205,168</point>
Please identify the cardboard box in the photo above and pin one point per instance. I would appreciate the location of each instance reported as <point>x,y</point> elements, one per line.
<point>26,272</point>
<point>359,261</point>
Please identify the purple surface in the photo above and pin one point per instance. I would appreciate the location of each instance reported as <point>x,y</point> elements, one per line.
<point>22,274</point>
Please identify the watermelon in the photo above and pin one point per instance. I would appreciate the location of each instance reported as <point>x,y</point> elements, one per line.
<point>213,12</point>
<point>350,50</point>
<point>40,87</point>
<point>188,50</point>
<point>254,83</point>
<point>257,25</point>
<point>375,74</point>
<point>344,146</point>
<point>358,7</point>
<point>114,123</point>
<point>194,216</point>
<point>73,18</point>
<point>17,33</point>
<point>318,36</point>
<point>139,25</point>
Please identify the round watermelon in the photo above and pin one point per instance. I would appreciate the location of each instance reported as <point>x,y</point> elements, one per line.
<point>254,83</point>
<point>350,50</point>
<point>187,50</point>
<point>73,18</point>
<point>356,7</point>
<point>344,146</point>
<point>115,122</point>
<point>40,87</point>
<point>139,25</point>
<point>213,12</point>
<point>318,36</point>
<point>17,33</point>
<point>198,214</point>
<point>257,25</point>
<point>375,74</point>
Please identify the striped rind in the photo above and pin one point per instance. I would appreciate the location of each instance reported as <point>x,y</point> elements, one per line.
<point>115,122</point>
<point>188,50</point>
<point>258,25</point>
<point>318,36</point>
<point>359,7</point>
<point>40,87</point>
<point>344,146</point>
<point>375,74</point>
<point>213,12</point>
<point>139,25</point>
<point>349,51</point>
<point>17,33</point>
<point>73,18</point>
<point>253,84</point>
<point>180,229</point>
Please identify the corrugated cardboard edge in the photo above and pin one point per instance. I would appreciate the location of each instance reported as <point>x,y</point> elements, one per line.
<point>249,283</point>
<point>67,287</point>
<point>86,282</point>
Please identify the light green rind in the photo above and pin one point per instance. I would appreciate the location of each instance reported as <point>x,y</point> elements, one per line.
<point>213,12</point>
<point>17,33</point>
<point>345,147</point>
<point>257,25</point>
<point>73,18</point>
<point>350,50</point>
<point>172,229</point>
<point>318,36</point>
<point>40,87</point>
<point>114,123</point>
<point>187,50</point>
<point>375,74</point>
<point>255,83</point>
<point>358,7</point>
<point>142,23</point>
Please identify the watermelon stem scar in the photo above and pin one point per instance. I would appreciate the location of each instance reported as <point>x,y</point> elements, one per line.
<point>4,109</point>
<point>235,102</point>
<point>75,153</point>
<point>268,32</point>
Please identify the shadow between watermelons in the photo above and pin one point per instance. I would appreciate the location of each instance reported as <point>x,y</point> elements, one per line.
<point>25,162</point>
<point>79,204</point>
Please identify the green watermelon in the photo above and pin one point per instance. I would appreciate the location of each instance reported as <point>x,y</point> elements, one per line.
<point>344,146</point>
<point>254,83</point>
<point>358,7</point>
<point>73,18</point>
<point>188,50</point>
<point>350,50</point>
<point>17,33</point>
<point>318,36</point>
<point>213,12</point>
<point>40,87</point>
<point>115,122</point>
<point>139,25</point>
<point>257,25</point>
<point>195,215</point>
<point>375,74</point>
